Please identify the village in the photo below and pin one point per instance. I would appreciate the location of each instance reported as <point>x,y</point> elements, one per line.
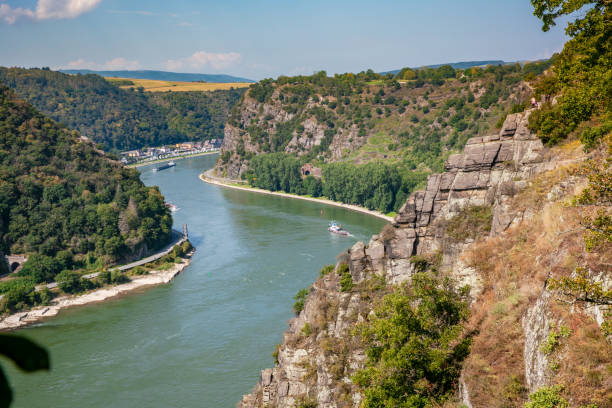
<point>149,154</point>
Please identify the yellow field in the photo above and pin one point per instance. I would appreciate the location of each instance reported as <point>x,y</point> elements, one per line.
<point>151,85</point>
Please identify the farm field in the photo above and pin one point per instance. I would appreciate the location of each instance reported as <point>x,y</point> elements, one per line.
<point>151,85</point>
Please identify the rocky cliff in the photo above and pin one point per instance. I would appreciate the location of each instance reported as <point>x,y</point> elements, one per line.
<point>363,117</point>
<point>512,311</point>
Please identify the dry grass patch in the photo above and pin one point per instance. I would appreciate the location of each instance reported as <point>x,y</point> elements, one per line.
<point>151,85</point>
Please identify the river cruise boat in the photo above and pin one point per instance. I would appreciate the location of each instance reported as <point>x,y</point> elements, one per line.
<point>165,166</point>
<point>336,228</point>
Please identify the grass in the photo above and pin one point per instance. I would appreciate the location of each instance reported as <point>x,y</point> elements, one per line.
<point>151,85</point>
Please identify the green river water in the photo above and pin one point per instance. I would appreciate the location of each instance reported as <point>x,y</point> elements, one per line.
<point>201,340</point>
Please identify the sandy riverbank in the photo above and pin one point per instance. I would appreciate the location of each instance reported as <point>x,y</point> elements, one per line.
<point>189,156</point>
<point>153,278</point>
<point>208,178</point>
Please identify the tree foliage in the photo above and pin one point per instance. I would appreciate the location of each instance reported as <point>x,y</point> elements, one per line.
<point>580,75</point>
<point>122,119</point>
<point>66,204</point>
<point>415,344</point>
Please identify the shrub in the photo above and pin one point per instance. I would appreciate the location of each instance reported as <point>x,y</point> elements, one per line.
<point>547,397</point>
<point>415,345</point>
<point>117,277</point>
<point>346,279</point>
<point>69,281</point>
<point>300,300</point>
<point>306,330</point>
<point>470,223</point>
<point>326,270</point>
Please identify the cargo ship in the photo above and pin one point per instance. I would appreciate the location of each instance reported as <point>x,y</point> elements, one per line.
<point>165,166</point>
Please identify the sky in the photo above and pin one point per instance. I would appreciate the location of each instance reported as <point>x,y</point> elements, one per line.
<point>260,39</point>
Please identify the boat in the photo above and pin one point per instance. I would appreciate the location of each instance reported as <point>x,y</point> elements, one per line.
<point>172,207</point>
<point>165,166</point>
<point>336,228</point>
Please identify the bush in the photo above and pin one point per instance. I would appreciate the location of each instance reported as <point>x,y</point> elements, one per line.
<point>18,294</point>
<point>471,222</point>
<point>346,279</point>
<point>300,300</point>
<point>415,345</point>
<point>69,281</point>
<point>117,277</point>
<point>547,397</point>
<point>326,270</point>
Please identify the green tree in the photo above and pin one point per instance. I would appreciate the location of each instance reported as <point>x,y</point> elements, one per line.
<point>415,344</point>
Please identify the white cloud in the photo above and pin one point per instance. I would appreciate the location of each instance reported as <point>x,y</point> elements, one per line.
<point>48,9</point>
<point>10,15</point>
<point>111,65</point>
<point>203,59</point>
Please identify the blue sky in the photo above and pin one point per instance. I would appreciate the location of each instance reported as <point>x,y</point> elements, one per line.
<point>259,39</point>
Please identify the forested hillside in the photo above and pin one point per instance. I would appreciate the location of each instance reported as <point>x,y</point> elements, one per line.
<point>121,119</point>
<point>412,120</point>
<point>64,203</point>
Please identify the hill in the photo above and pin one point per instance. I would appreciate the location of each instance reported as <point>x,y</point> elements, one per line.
<point>160,75</point>
<point>66,204</point>
<point>122,119</point>
<point>357,124</point>
<point>455,65</point>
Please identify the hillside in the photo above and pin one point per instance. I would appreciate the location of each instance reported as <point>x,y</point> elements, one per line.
<point>65,204</point>
<point>160,75</point>
<point>121,119</point>
<point>455,65</point>
<point>411,121</point>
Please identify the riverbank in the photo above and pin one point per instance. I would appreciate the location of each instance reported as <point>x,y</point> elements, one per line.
<point>187,156</point>
<point>153,278</point>
<point>207,177</point>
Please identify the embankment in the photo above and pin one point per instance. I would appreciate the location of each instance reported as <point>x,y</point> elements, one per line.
<point>21,319</point>
<point>209,178</point>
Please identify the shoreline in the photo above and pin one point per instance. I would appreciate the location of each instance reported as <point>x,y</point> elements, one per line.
<point>188,156</point>
<point>211,180</point>
<point>154,278</point>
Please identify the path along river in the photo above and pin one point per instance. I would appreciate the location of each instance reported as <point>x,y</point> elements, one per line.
<point>201,340</point>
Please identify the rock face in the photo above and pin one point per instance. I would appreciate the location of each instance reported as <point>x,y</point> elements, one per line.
<point>267,117</point>
<point>488,173</point>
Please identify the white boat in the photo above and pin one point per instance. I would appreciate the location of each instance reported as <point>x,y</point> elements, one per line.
<point>336,228</point>
<point>172,207</point>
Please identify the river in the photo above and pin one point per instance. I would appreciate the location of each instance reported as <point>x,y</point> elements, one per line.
<point>201,340</point>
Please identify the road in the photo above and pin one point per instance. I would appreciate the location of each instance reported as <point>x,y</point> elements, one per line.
<point>177,239</point>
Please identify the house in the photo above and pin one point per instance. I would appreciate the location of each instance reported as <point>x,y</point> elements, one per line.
<point>309,170</point>
<point>133,153</point>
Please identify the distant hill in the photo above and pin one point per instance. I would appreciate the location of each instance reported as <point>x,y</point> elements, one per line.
<point>456,65</point>
<point>122,119</point>
<point>160,75</point>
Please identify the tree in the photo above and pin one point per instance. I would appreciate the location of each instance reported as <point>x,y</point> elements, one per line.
<point>415,344</point>
<point>549,10</point>
<point>581,72</point>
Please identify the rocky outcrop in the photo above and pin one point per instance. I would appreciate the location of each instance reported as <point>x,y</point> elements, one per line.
<point>266,117</point>
<point>489,172</point>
